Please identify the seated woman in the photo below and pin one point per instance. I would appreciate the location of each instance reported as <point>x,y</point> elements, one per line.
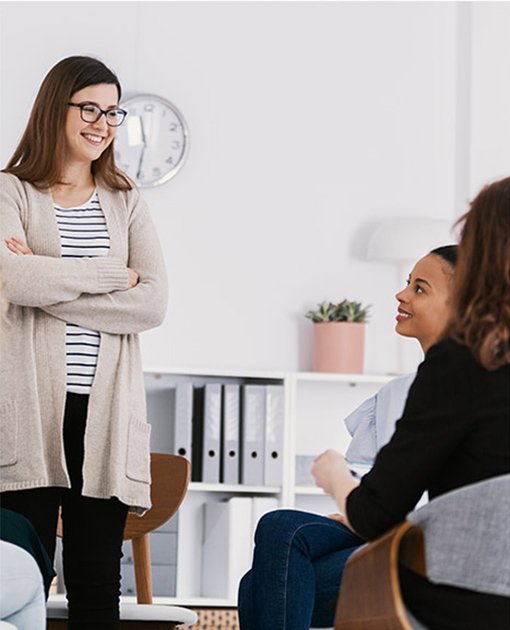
<point>455,429</point>
<point>299,557</point>
<point>423,312</point>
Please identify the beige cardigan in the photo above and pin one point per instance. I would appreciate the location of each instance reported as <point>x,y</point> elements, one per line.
<point>44,292</point>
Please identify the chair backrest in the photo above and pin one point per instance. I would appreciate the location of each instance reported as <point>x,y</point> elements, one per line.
<point>466,536</point>
<point>169,482</point>
<point>170,475</point>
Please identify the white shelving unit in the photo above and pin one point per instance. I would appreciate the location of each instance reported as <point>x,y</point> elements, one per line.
<point>315,405</point>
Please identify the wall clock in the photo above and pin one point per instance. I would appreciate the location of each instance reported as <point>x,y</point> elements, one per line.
<point>151,145</point>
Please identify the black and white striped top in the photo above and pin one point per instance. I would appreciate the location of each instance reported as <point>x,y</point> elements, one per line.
<point>83,233</point>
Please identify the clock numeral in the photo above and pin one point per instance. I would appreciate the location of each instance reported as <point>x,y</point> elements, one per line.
<point>176,144</point>
<point>149,107</point>
<point>169,160</point>
<point>173,127</point>
<point>156,172</point>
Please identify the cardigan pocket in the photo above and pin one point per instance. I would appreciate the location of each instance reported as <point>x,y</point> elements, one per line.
<point>8,434</point>
<point>138,451</point>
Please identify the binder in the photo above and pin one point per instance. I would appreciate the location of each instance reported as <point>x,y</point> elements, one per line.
<point>197,436</point>
<point>226,548</point>
<point>252,435</point>
<point>229,467</point>
<point>212,431</point>
<point>183,419</point>
<point>273,442</point>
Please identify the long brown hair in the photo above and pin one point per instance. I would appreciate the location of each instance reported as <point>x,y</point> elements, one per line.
<point>39,157</point>
<point>481,295</point>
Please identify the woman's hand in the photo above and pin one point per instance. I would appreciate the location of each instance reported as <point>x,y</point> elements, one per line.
<point>133,278</point>
<point>334,477</point>
<point>17,246</point>
<point>340,518</point>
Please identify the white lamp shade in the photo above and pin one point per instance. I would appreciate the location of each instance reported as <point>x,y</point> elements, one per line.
<point>408,239</point>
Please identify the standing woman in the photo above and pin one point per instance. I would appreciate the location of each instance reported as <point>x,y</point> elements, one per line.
<point>455,430</point>
<point>84,274</point>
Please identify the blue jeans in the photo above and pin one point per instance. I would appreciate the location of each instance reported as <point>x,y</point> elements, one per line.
<point>297,568</point>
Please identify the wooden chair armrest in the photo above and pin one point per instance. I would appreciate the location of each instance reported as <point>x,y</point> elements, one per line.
<point>370,597</point>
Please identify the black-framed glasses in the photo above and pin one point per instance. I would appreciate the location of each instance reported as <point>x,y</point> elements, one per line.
<point>91,113</point>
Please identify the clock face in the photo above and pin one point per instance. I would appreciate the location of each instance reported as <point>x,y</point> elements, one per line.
<point>152,143</point>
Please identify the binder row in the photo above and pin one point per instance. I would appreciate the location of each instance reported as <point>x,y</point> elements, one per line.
<point>232,434</point>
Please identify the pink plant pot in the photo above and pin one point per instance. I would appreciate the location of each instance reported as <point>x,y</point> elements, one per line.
<point>338,347</point>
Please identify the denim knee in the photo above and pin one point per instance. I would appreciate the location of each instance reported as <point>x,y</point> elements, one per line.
<point>276,526</point>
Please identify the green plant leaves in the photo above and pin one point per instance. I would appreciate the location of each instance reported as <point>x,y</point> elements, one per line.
<point>344,311</point>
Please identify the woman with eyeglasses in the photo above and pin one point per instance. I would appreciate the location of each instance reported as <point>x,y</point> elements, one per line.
<point>83,274</point>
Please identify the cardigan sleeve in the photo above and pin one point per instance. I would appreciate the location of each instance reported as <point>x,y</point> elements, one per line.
<point>434,423</point>
<point>137,309</point>
<point>43,280</point>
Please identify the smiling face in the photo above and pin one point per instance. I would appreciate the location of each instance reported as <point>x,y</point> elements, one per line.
<point>85,142</point>
<point>424,308</point>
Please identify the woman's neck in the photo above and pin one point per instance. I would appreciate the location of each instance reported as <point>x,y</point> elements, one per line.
<point>77,176</point>
<point>76,188</point>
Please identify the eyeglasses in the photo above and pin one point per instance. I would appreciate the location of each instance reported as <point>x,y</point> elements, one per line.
<point>92,113</point>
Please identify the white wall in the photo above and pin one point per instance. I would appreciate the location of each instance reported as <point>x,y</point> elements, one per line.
<point>490,94</point>
<point>310,123</point>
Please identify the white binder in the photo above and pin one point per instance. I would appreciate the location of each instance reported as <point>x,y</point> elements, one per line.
<point>229,470</point>
<point>252,435</point>
<point>212,429</point>
<point>183,419</point>
<point>226,550</point>
<point>273,442</point>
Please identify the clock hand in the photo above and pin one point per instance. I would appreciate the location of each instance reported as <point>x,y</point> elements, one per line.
<point>140,163</point>
<point>144,141</point>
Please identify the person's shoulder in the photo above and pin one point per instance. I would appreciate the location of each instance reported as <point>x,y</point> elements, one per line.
<point>8,180</point>
<point>450,350</point>
<point>15,188</point>
<point>399,382</point>
<point>449,359</point>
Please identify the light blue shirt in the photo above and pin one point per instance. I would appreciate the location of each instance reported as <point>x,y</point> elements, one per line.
<point>372,424</point>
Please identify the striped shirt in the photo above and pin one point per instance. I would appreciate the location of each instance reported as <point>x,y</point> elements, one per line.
<point>83,233</point>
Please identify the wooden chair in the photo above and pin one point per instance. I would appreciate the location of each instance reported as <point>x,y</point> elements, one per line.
<point>370,597</point>
<point>170,478</point>
<point>458,539</point>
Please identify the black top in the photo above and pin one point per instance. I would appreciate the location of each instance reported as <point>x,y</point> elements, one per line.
<point>455,431</point>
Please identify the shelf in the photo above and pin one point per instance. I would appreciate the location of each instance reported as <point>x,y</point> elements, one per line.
<point>343,378</point>
<point>216,372</point>
<point>309,490</point>
<point>267,375</point>
<point>197,486</point>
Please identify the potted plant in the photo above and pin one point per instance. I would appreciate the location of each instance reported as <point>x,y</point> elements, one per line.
<point>339,336</point>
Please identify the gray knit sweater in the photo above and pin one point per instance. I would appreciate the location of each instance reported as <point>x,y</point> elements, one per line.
<point>44,292</point>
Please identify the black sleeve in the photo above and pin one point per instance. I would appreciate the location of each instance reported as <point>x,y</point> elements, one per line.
<point>433,424</point>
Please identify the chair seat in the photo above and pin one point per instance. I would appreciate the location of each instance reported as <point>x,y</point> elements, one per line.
<point>135,612</point>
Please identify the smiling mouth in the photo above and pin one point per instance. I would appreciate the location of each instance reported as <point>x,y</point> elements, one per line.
<point>93,139</point>
<point>402,315</point>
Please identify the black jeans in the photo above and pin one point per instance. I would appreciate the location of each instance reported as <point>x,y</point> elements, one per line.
<point>92,531</point>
